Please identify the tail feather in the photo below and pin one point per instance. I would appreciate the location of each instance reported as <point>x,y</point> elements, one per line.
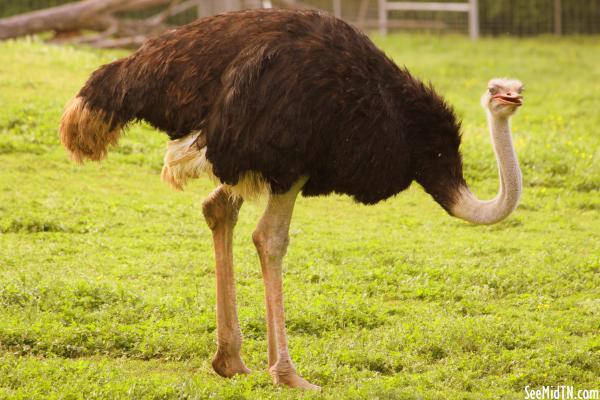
<point>93,120</point>
<point>85,132</point>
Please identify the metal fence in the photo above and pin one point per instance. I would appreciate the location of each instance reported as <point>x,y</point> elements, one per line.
<point>494,17</point>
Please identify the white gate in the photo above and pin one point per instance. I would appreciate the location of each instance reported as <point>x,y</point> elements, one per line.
<point>469,7</point>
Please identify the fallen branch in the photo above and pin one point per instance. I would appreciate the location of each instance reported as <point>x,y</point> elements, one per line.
<point>105,18</point>
<point>95,15</point>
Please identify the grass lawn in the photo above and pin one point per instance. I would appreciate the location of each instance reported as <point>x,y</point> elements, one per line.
<point>106,274</point>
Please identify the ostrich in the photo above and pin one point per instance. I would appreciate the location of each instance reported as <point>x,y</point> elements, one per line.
<point>277,103</point>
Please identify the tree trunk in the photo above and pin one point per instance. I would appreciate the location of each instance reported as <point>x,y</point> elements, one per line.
<point>90,14</point>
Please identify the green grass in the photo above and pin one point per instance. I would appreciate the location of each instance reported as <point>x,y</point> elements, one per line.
<point>106,274</point>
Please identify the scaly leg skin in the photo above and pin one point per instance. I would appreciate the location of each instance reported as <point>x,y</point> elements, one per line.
<point>221,212</point>
<point>271,240</point>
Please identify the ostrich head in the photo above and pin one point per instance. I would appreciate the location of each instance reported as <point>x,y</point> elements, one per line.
<point>501,101</point>
<point>503,97</point>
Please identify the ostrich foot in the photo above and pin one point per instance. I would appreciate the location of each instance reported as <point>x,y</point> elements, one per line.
<point>228,365</point>
<point>284,373</point>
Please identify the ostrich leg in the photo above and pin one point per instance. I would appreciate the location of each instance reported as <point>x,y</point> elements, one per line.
<point>271,240</point>
<point>221,213</point>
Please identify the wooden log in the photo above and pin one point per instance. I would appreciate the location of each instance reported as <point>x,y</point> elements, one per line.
<point>89,14</point>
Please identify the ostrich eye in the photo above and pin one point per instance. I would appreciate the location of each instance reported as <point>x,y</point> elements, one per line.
<point>521,89</point>
<point>493,90</point>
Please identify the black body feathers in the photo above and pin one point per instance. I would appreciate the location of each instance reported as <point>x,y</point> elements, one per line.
<point>289,93</point>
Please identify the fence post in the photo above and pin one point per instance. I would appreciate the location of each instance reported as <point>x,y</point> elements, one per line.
<point>200,9</point>
<point>473,19</point>
<point>557,17</point>
<point>253,4</point>
<point>383,16</point>
<point>337,8</point>
<point>231,5</point>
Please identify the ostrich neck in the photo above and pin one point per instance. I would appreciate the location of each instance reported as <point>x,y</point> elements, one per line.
<point>471,209</point>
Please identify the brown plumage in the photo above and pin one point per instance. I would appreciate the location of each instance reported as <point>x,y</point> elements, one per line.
<point>284,94</point>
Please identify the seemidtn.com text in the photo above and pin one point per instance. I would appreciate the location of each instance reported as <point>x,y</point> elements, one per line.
<point>560,392</point>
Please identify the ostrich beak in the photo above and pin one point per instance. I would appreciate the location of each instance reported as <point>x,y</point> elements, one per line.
<point>512,100</point>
